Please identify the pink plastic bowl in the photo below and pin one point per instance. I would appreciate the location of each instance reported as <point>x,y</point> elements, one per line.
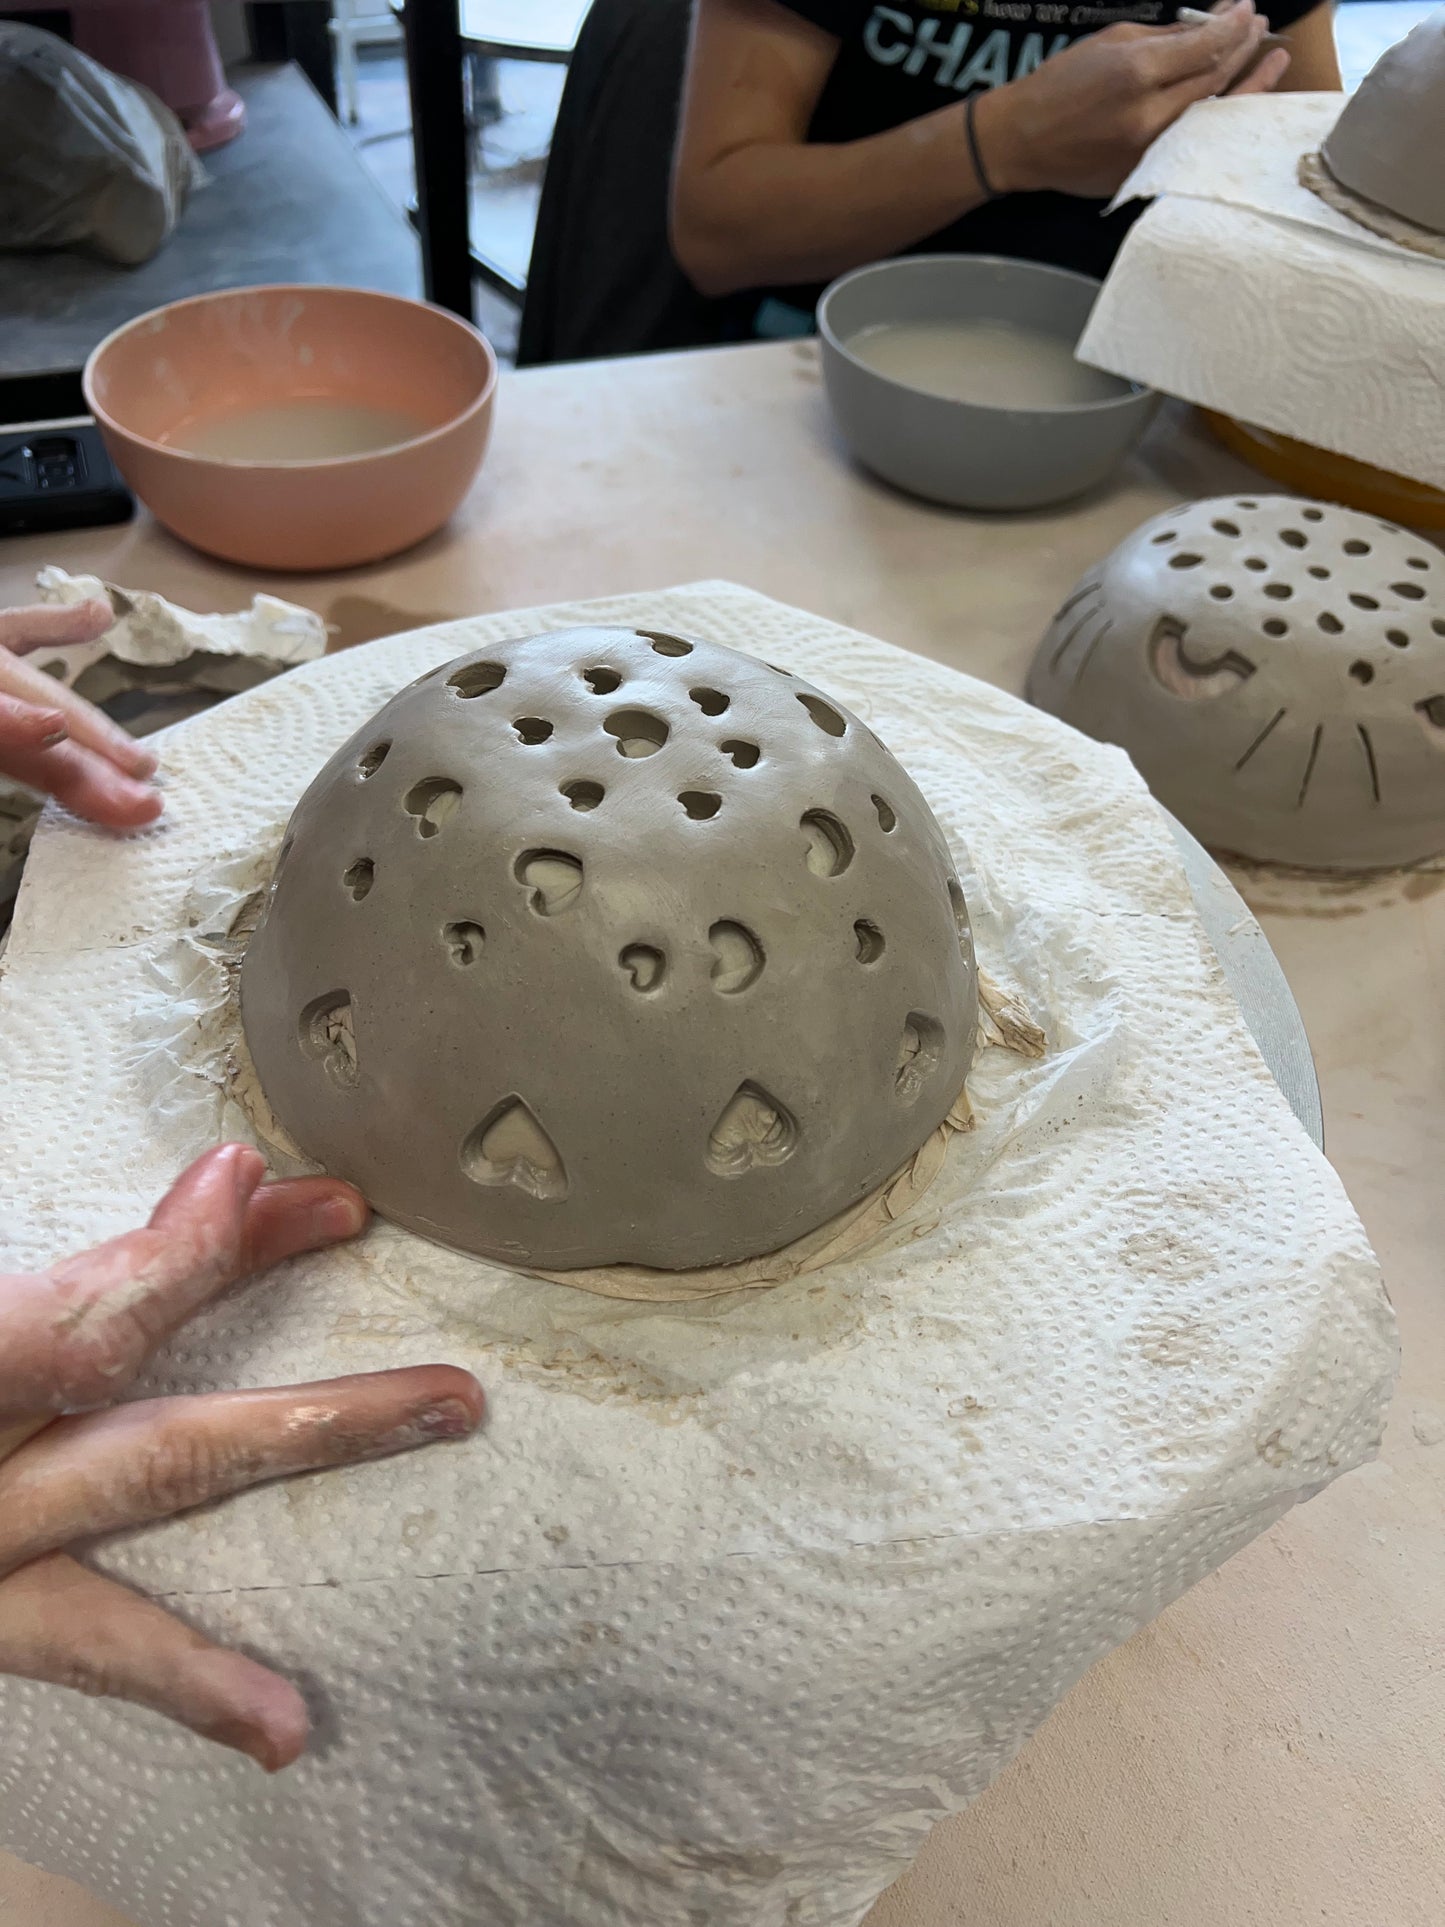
<point>216,355</point>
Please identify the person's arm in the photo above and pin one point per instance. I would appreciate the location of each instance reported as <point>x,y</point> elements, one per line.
<point>1314,65</point>
<point>755,203</point>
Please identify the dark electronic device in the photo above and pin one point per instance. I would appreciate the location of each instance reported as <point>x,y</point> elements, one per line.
<point>54,469</point>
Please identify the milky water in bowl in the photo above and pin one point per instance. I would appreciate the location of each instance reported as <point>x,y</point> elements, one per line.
<point>308,428</point>
<point>996,364</point>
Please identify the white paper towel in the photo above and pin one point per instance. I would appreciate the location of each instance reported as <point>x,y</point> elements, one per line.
<point>730,1600</point>
<point>1242,291</point>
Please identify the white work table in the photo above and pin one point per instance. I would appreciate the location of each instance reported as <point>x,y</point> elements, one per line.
<point>1268,1754</point>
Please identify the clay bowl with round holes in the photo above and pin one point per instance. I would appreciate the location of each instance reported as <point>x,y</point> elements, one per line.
<point>328,426</point>
<point>963,453</point>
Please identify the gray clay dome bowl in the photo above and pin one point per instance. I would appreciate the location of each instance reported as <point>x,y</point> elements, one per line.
<point>609,947</point>
<point>1388,145</point>
<point>963,453</point>
<point>1276,670</point>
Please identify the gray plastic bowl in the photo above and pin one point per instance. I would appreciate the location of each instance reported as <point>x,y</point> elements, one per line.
<point>961,453</point>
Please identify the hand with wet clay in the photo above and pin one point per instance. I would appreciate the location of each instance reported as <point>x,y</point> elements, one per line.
<point>55,741</point>
<point>1081,122</point>
<point>74,1463</point>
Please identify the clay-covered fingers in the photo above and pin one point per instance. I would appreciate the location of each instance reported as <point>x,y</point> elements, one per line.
<point>146,1461</point>
<point>72,1337</point>
<point>87,784</point>
<point>53,625</point>
<point>25,631</point>
<point>64,1624</point>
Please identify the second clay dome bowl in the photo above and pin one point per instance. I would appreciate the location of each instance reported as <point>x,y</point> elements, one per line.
<point>612,946</point>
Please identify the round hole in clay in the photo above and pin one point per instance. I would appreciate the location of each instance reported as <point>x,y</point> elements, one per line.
<point>583,795</point>
<point>1401,639</point>
<point>464,942</point>
<point>1275,627</point>
<point>1222,592</point>
<point>1312,514</point>
<point>1437,625</point>
<point>553,877</point>
<point>666,645</point>
<point>476,679</point>
<point>1186,559</point>
<point>700,805</point>
<point>823,714</point>
<point>1278,591</point>
<point>744,754</point>
<point>1411,591</point>
<point>887,820</point>
<point>1356,547</point>
<point>1363,601</point>
<point>1165,535</point>
<point>532,730</point>
<point>1331,625</point>
<point>601,681</point>
<point>638,732</point>
<point>737,957</point>
<point>1294,538</point>
<point>1242,504</point>
<point>829,846</point>
<point>1256,562</point>
<point>645,966</point>
<point>1416,562</point>
<point>712,702</point>
<point>360,877</point>
<point>372,761</point>
<point>868,939</point>
<point>1319,574</point>
<point>1362,672</point>
<point>1222,527</point>
<point>432,802</point>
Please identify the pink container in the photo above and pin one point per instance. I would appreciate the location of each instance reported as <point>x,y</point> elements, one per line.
<point>210,360</point>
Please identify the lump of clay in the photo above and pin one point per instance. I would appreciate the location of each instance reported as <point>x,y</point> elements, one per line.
<point>608,947</point>
<point>1276,670</point>
<point>1388,145</point>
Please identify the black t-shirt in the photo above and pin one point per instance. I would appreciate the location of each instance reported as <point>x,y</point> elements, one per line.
<point>908,57</point>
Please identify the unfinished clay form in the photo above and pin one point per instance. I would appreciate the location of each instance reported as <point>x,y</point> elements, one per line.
<point>611,947</point>
<point>1276,670</point>
<point>1388,145</point>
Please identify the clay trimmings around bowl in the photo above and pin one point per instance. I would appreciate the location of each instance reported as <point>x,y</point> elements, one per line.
<point>1276,670</point>
<point>608,947</point>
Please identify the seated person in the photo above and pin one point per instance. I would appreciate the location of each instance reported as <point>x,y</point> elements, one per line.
<point>818,135</point>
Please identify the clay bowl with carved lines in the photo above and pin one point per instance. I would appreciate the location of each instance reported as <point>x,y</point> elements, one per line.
<point>612,946</point>
<point>1276,670</point>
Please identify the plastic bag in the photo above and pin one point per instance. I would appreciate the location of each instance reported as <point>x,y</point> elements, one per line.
<point>87,160</point>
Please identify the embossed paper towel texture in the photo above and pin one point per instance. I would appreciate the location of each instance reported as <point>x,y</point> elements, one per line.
<point>1240,290</point>
<point>730,1600</point>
